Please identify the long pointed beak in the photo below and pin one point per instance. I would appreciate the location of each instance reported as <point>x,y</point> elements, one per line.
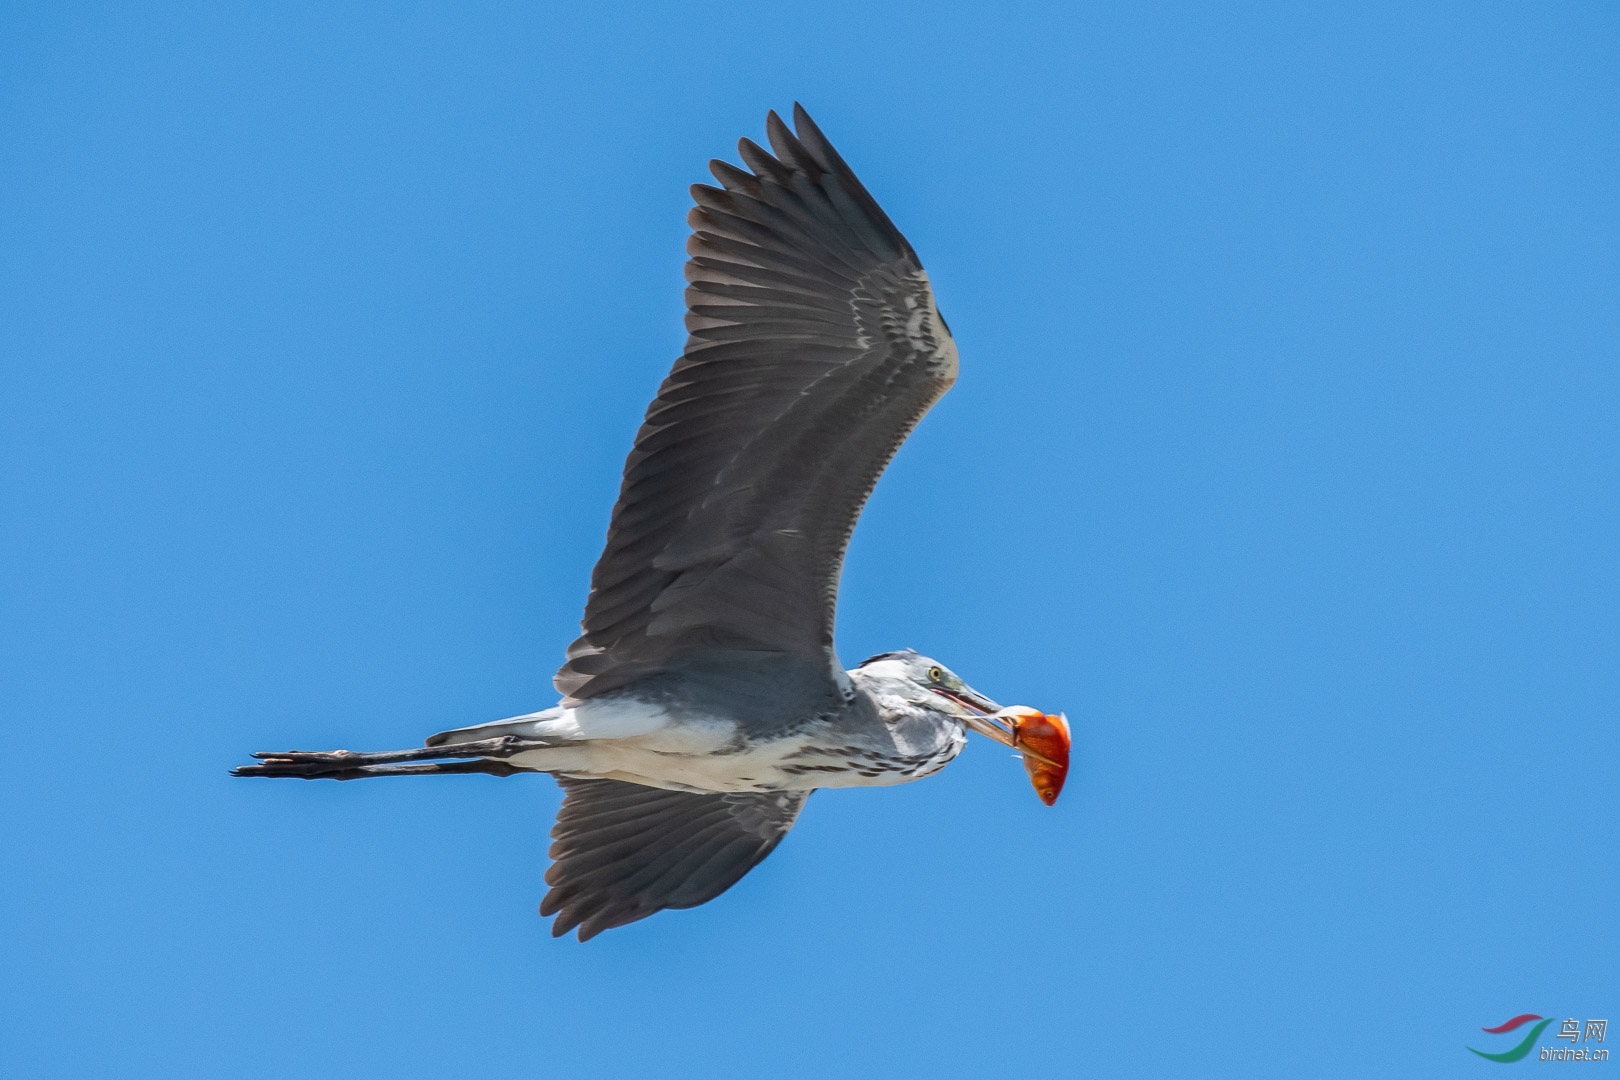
<point>978,714</point>
<point>992,728</point>
<point>969,699</point>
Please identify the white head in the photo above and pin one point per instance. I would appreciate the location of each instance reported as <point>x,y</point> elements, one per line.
<point>908,682</point>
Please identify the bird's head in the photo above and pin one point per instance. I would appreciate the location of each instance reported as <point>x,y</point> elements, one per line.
<point>909,685</point>
<point>910,682</point>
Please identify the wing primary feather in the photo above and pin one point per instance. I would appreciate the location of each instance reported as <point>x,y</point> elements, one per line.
<point>624,852</point>
<point>816,142</point>
<point>764,166</point>
<point>734,179</point>
<point>789,151</point>
<point>787,218</point>
<point>722,221</point>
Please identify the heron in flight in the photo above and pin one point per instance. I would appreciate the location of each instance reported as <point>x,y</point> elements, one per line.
<point>704,702</point>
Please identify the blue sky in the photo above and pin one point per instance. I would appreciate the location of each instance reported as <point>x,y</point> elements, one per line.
<point>1283,459</point>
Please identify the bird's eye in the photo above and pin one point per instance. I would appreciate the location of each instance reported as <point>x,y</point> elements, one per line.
<point>936,674</point>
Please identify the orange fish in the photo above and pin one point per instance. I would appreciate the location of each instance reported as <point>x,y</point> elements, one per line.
<point>1043,739</point>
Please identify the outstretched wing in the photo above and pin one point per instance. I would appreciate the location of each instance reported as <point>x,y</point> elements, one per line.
<point>814,348</point>
<point>624,852</point>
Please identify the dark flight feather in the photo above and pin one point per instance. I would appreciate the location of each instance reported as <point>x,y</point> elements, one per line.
<point>814,347</point>
<point>623,852</point>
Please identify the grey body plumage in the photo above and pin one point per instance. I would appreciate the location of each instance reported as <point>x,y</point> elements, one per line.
<point>703,700</point>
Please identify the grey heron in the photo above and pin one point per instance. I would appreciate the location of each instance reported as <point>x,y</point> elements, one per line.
<point>704,701</point>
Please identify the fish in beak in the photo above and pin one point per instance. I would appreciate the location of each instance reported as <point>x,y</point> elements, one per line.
<point>1042,738</point>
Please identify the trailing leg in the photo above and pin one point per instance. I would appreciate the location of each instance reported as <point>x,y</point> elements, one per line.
<point>488,755</point>
<point>306,771</point>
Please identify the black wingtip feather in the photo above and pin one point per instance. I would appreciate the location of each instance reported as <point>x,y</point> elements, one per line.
<point>818,146</point>
<point>789,150</point>
<point>734,179</point>
<point>810,135</point>
<point>757,158</point>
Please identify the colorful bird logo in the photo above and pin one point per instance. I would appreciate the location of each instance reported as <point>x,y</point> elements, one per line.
<point>1524,1047</point>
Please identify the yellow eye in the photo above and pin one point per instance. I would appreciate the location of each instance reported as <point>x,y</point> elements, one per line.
<point>936,674</point>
